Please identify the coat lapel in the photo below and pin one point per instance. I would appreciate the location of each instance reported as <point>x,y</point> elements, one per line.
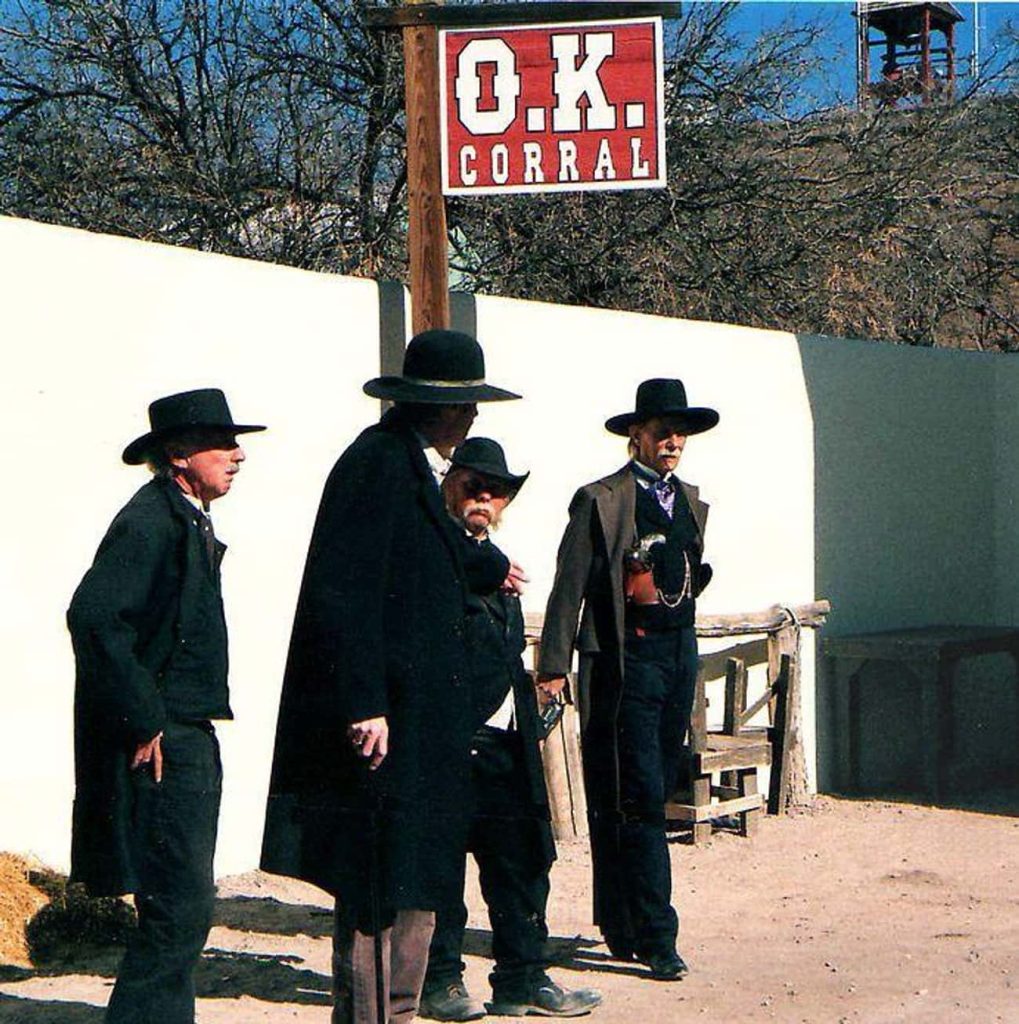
<point>698,508</point>
<point>182,509</point>
<point>617,505</point>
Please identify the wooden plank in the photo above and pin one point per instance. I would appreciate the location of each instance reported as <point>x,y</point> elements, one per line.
<point>534,12</point>
<point>699,717</point>
<point>701,796</point>
<point>778,784</point>
<point>392,330</point>
<point>735,695</point>
<point>719,742</point>
<point>754,652</point>
<point>700,813</point>
<point>564,779</point>
<point>749,819</point>
<point>765,699</point>
<point>773,618</point>
<point>758,755</point>
<point>570,728</point>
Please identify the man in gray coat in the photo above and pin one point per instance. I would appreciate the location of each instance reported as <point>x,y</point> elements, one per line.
<point>150,647</point>
<point>630,568</point>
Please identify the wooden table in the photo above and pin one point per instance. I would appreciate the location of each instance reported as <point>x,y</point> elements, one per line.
<point>930,655</point>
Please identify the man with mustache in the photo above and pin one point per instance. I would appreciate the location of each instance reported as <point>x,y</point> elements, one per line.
<point>371,769</point>
<point>630,569</point>
<point>150,647</point>
<point>510,835</point>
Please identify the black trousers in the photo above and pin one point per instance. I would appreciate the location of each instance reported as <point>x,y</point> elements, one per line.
<point>175,830</point>
<point>506,841</point>
<point>632,873</point>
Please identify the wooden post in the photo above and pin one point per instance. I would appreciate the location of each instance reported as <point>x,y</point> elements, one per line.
<point>863,52</point>
<point>926,78</point>
<point>426,228</point>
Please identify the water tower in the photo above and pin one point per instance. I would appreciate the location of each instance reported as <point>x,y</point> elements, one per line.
<point>915,59</point>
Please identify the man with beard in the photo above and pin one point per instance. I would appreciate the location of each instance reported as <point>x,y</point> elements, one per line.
<point>369,783</point>
<point>510,835</point>
<point>631,557</point>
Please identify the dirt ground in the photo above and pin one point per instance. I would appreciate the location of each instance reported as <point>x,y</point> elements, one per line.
<point>854,912</point>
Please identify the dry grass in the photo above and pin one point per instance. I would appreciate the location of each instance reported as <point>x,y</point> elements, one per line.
<point>20,900</point>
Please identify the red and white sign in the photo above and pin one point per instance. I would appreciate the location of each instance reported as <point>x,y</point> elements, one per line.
<point>545,108</point>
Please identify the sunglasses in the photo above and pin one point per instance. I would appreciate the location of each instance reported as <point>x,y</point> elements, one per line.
<point>474,486</point>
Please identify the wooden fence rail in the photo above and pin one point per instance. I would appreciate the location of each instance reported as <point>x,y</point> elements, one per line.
<point>777,630</point>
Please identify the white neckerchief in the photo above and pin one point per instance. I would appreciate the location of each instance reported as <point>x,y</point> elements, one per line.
<point>646,476</point>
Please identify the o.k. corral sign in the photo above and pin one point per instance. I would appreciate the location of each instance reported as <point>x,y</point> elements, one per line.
<point>546,108</point>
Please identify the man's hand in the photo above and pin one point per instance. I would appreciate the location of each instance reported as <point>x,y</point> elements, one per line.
<point>515,580</point>
<point>371,738</point>
<point>548,688</point>
<point>151,751</point>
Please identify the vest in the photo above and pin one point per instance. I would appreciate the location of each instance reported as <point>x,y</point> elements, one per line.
<point>673,561</point>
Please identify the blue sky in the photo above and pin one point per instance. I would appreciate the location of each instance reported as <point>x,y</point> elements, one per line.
<point>756,16</point>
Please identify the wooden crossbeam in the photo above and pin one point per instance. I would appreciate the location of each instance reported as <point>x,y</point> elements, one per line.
<point>535,12</point>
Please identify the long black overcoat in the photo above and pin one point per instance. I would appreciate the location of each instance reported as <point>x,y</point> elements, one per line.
<point>147,627</point>
<point>379,630</point>
<point>589,586</point>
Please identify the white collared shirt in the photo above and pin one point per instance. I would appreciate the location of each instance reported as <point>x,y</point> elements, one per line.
<point>438,464</point>
<point>199,506</point>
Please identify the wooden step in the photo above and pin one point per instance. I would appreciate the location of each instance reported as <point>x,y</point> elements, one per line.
<point>705,812</point>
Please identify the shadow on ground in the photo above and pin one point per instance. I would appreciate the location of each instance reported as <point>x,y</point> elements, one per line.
<point>267,915</point>
<point>1003,802</point>
<point>273,978</point>
<point>50,1011</point>
<point>574,954</point>
<point>222,974</point>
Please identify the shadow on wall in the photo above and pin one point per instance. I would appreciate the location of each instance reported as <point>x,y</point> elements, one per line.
<point>904,471</point>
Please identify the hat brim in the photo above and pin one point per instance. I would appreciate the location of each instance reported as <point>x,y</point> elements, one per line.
<point>516,482</point>
<point>140,448</point>
<point>398,389</point>
<point>695,420</point>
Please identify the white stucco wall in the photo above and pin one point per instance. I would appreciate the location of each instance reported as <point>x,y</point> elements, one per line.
<point>842,470</point>
<point>93,328</point>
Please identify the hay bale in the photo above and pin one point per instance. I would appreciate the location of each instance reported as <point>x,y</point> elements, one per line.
<point>45,919</point>
<point>20,900</point>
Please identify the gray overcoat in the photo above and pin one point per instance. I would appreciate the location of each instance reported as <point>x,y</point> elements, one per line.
<point>589,583</point>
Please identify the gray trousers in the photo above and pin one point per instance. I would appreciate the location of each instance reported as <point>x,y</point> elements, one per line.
<point>404,959</point>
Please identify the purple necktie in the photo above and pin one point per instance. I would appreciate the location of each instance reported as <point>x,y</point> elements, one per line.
<point>665,494</point>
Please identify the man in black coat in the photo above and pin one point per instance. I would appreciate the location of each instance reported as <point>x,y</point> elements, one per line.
<point>510,835</point>
<point>369,783</point>
<point>630,568</point>
<point>150,647</point>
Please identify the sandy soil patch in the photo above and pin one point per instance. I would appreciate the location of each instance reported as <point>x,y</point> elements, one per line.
<point>855,912</point>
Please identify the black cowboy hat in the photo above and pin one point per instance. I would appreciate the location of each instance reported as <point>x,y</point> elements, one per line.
<point>184,413</point>
<point>485,456</point>
<point>440,367</point>
<point>663,397</point>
